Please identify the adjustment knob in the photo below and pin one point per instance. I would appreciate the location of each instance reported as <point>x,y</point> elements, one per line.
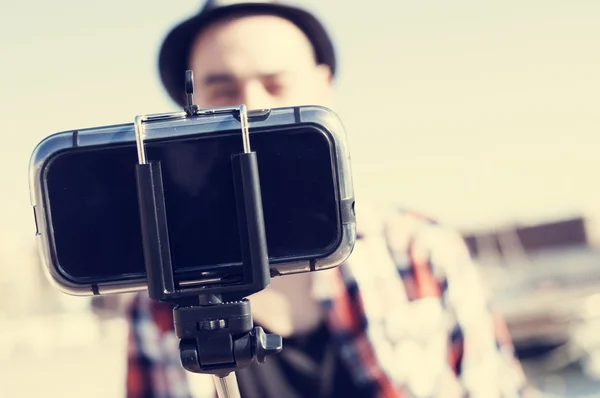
<point>266,344</point>
<point>214,324</point>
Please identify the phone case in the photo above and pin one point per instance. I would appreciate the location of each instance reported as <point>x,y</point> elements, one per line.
<point>325,118</point>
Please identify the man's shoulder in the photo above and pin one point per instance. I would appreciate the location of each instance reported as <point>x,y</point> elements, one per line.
<point>419,228</point>
<point>403,226</point>
<point>415,239</point>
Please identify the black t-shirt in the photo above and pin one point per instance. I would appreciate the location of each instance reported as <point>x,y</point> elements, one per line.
<point>308,366</point>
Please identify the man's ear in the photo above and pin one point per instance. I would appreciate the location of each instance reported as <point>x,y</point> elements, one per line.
<point>324,73</point>
<point>325,83</point>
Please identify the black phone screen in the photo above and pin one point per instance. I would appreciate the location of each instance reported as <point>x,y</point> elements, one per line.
<point>91,195</point>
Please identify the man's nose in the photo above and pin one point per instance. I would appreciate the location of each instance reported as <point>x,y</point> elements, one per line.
<point>255,96</point>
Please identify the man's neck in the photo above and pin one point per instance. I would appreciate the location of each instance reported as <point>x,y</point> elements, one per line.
<point>287,307</point>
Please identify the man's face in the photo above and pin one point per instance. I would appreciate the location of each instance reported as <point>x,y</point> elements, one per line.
<point>260,61</point>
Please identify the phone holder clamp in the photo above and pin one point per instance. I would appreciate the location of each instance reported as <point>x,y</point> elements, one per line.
<point>212,319</point>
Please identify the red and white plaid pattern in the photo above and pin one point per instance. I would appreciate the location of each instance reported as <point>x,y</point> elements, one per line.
<point>407,311</point>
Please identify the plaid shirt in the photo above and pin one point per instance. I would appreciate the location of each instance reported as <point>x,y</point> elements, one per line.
<point>407,311</point>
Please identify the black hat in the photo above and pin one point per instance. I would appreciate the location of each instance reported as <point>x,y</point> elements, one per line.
<point>174,53</point>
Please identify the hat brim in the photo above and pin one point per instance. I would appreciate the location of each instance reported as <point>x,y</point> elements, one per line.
<point>174,53</point>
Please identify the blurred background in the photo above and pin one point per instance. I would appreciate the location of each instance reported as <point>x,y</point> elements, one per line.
<point>482,114</point>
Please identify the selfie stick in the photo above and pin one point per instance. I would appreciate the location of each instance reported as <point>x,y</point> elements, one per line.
<point>212,317</point>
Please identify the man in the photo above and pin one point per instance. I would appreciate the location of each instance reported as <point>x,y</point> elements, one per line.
<point>405,316</point>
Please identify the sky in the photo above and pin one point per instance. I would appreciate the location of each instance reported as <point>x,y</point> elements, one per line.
<point>478,113</point>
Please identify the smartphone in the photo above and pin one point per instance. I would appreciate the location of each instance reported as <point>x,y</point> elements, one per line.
<point>84,198</point>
